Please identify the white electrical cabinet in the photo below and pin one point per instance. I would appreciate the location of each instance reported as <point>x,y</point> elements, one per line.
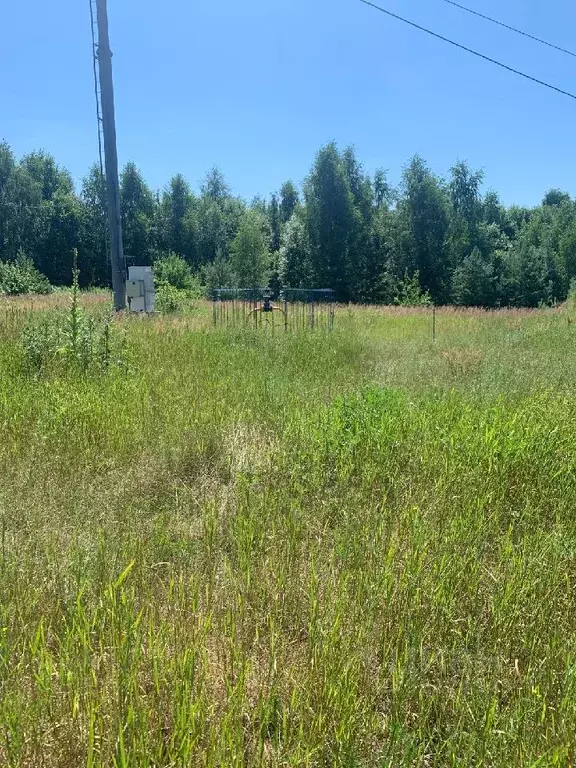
<point>140,289</point>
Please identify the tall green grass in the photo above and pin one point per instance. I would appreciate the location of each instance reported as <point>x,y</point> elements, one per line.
<point>245,549</point>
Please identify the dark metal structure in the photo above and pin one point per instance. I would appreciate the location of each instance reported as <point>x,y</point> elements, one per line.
<point>295,308</point>
<point>244,307</point>
<point>309,307</point>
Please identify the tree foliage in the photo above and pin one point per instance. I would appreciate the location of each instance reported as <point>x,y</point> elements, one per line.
<point>249,254</point>
<point>21,276</point>
<point>346,229</point>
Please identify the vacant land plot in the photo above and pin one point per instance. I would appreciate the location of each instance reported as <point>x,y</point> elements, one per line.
<point>223,547</point>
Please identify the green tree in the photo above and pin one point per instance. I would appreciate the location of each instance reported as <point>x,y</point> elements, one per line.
<point>50,213</point>
<point>249,256</point>
<point>26,215</point>
<point>333,222</point>
<point>555,197</point>
<point>93,260</point>
<point>43,169</point>
<point>423,230</point>
<point>359,183</point>
<point>526,280</point>
<point>363,266</point>
<point>275,223</point>
<point>492,209</point>
<point>55,255</point>
<point>295,266</point>
<point>382,280</point>
<point>351,232</point>
<point>7,200</point>
<point>567,249</point>
<point>172,212</point>
<point>465,192</point>
<point>410,293</point>
<point>214,185</point>
<point>259,204</point>
<point>212,223</point>
<point>465,212</point>
<point>473,282</point>
<point>218,274</point>
<point>517,218</point>
<point>289,201</point>
<point>138,208</point>
<point>383,192</point>
<point>546,229</point>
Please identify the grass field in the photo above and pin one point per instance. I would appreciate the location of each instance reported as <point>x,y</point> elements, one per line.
<point>234,548</point>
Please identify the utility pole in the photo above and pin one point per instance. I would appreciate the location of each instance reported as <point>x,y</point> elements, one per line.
<point>111,157</point>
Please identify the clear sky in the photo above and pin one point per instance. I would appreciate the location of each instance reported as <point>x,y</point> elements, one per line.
<point>256,86</point>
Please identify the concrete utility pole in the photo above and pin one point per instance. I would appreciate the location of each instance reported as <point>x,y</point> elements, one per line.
<point>111,157</point>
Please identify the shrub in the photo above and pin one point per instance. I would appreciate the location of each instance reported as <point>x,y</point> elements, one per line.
<point>175,283</point>
<point>410,293</point>
<point>173,270</point>
<point>170,299</point>
<point>21,276</point>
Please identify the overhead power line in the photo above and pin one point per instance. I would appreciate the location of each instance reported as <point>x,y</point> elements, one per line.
<point>511,28</point>
<point>469,50</point>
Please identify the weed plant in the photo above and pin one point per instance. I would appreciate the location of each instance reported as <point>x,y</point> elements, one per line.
<point>56,342</point>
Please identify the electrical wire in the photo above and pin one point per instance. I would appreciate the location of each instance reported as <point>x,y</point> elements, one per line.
<point>511,28</point>
<point>469,50</point>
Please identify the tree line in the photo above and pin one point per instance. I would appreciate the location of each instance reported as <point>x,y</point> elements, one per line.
<point>430,239</point>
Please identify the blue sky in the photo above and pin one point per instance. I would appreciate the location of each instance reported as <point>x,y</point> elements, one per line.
<point>257,86</point>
